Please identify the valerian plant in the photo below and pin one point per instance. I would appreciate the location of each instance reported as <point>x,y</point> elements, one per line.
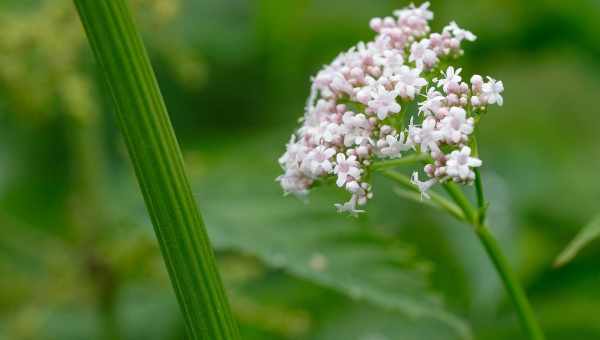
<point>395,95</point>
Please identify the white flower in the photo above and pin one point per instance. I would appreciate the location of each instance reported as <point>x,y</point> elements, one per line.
<point>331,132</point>
<point>340,84</point>
<point>318,160</point>
<point>451,76</point>
<point>384,102</point>
<point>293,182</point>
<point>390,60</point>
<point>459,33</point>
<point>492,90</point>
<point>432,104</point>
<point>349,207</point>
<point>476,82</point>
<point>346,167</point>
<point>392,146</point>
<point>460,163</point>
<point>409,82</point>
<point>422,55</point>
<point>423,186</point>
<point>293,155</point>
<point>456,127</point>
<point>426,136</point>
<point>356,128</point>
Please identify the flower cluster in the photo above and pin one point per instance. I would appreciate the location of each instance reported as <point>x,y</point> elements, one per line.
<point>355,112</point>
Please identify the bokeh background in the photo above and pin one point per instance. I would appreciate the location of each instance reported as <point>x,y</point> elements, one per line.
<point>78,258</point>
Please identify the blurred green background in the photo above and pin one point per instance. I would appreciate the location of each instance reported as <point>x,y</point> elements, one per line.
<point>78,258</point>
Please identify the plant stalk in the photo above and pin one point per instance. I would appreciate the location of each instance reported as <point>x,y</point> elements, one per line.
<point>439,200</point>
<point>511,283</point>
<point>481,203</point>
<point>159,167</point>
<point>501,264</point>
<point>475,217</point>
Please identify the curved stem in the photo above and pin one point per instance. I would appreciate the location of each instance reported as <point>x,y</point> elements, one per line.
<point>438,200</point>
<point>461,200</point>
<point>501,264</point>
<point>515,291</point>
<point>473,216</point>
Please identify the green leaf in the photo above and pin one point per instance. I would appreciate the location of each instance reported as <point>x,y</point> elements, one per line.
<point>587,234</point>
<point>313,242</point>
<point>367,323</point>
<point>158,164</point>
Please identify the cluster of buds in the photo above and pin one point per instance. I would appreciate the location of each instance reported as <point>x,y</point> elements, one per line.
<point>355,112</point>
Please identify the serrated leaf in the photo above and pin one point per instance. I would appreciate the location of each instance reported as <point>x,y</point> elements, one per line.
<point>313,242</point>
<point>588,233</point>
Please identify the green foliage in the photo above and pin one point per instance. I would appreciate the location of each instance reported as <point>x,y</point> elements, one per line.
<point>311,241</point>
<point>232,109</point>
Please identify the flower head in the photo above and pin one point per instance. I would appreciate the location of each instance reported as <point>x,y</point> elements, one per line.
<point>353,114</point>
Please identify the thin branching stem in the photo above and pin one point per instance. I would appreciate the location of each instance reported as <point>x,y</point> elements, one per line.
<point>462,209</point>
<point>437,199</point>
<point>501,264</point>
<point>159,167</point>
<point>461,200</point>
<point>394,163</point>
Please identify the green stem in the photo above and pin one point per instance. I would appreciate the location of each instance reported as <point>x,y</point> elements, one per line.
<point>461,200</point>
<point>437,199</point>
<point>481,203</point>
<point>393,163</point>
<point>509,279</point>
<point>514,289</point>
<point>463,210</point>
<point>159,167</point>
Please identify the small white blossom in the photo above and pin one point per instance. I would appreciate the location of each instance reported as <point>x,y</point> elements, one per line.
<point>433,103</point>
<point>426,136</point>
<point>456,127</point>
<point>409,82</point>
<point>390,60</point>
<point>460,163</point>
<point>384,102</point>
<point>459,33</point>
<point>492,90</point>
<point>349,207</point>
<point>451,77</point>
<point>346,168</point>
<point>318,161</point>
<point>356,128</point>
<point>422,55</point>
<point>294,182</point>
<point>392,146</point>
<point>423,186</point>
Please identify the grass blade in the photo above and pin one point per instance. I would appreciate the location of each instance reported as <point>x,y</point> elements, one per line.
<point>159,168</point>
<point>590,232</point>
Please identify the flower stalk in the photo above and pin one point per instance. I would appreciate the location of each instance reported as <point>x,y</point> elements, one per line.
<point>509,279</point>
<point>475,217</point>
<point>159,167</point>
